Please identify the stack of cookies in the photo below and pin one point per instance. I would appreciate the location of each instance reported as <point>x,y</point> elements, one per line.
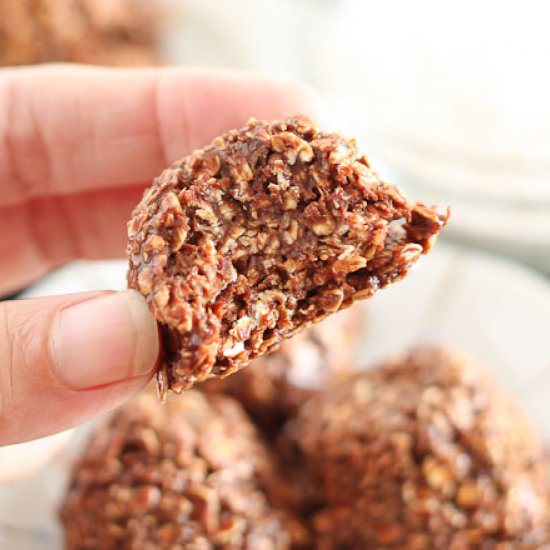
<point>265,434</point>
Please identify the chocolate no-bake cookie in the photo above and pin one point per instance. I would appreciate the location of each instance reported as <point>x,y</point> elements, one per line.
<point>267,230</point>
<point>190,474</point>
<point>274,386</point>
<point>422,453</point>
<point>101,32</point>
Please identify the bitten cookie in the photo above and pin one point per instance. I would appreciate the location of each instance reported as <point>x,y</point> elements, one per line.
<point>188,474</point>
<point>267,230</point>
<point>273,387</point>
<point>422,453</point>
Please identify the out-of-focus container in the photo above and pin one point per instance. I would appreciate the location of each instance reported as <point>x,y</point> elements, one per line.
<point>452,96</point>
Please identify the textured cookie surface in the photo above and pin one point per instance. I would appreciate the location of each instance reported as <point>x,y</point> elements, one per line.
<point>269,229</point>
<point>192,474</point>
<point>422,453</point>
<point>273,387</point>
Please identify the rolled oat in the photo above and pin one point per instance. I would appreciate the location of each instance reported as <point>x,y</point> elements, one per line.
<point>267,230</point>
<point>273,387</point>
<point>191,474</point>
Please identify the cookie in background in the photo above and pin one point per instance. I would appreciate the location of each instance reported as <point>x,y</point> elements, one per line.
<point>423,452</point>
<point>97,32</point>
<point>190,473</point>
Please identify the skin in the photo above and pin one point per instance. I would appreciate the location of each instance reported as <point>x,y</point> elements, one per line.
<point>77,147</point>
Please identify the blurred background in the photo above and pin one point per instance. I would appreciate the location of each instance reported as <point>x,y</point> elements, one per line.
<point>449,100</point>
<point>453,99</point>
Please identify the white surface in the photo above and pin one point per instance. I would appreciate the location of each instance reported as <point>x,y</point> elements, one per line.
<point>22,460</point>
<point>492,309</point>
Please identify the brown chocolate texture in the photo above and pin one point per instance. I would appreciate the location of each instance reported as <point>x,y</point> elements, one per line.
<point>267,230</point>
<point>190,474</point>
<point>422,453</point>
<point>99,32</point>
<point>273,387</point>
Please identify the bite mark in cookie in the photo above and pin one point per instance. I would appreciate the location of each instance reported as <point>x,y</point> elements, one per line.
<point>267,230</point>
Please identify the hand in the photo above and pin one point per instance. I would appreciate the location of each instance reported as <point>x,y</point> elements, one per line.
<point>77,147</point>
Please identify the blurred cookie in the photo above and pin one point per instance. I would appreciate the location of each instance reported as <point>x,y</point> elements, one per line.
<point>188,474</point>
<point>422,453</point>
<point>100,32</point>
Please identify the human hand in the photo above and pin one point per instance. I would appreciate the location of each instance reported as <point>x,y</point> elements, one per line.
<point>77,147</point>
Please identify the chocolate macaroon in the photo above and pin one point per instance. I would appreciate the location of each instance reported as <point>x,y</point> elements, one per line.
<point>267,230</point>
<point>98,32</point>
<point>422,453</point>
<point>274,386</point>
<point>188,474</point>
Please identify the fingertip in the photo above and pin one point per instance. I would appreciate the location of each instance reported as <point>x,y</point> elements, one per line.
<point>66,359</point>
<point>104,340</point>
<point>147,347</point>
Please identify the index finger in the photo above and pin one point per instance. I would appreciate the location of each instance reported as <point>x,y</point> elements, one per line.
<point>66,129</point>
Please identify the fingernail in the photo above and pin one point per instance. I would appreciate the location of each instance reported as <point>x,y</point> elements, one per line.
<point>104,340</point>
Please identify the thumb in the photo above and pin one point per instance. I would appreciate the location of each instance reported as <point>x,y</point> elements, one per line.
<point>68,358</point>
